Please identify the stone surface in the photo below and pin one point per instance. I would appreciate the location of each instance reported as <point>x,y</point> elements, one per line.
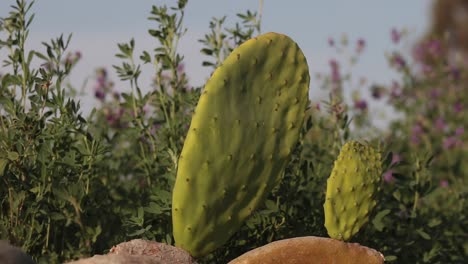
<point>140,251</point>
<point>13,255</point>
<point>310,250</point>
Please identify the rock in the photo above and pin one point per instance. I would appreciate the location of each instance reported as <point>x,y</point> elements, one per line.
<point>118,259</point>
<point>310,250</point>
<point>141,251</point>
<point>13,255</point>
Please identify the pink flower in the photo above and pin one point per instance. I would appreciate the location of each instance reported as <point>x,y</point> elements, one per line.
<point>396,90</point>
<point>360,104</point>
<point>180,68</point>
<point>317,106</point>
<point>361,44</point>
<point>377,91</point>
<point>434,48</point>
<point>435,93</point>
<point>459,131</point>
<point>99,94</point>
<point>395,35</point>
<point>451,142</point>
<point>398,61</point>
<point>395,159</point>
<point>388,176</point>
<point>458,107</point>
<point>443,183</point>
<point>455,72</point>
<point>335,70</point>
<point>426,69</point>
<point>440,124</point>
<point>416,132</point>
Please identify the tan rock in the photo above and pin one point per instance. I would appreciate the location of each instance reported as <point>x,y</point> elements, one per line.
<point>310,250</point>
<point>13,255</point>
<point>140,251</point>
<point>118,259</point>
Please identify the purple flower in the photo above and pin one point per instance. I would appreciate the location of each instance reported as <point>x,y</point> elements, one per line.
<point>388,176</point>
<point>99,94</point>
<point>317,106</point>
<point>440,124</point>
<point>116,96</point>
<point>459,131</point>
<point>335,71</point>
<point>395,159</point>
<point>396,90</point>
<point>435,93</point>
<point>361,44</point>
<point>360,104</point>
<point>451,142</point>
<point>416,132</point>
<point>377,92</point>
<point>418,53</point>
<point>443,183</point>
<point>114,117</point>
<point>180,68</point>
<point>434,48</point>
<point>398,61</point>
<point>426,69</point>
<point>331,42</point>
<point>458,107</point>
<point>455,72</point>
<point>395,35</point>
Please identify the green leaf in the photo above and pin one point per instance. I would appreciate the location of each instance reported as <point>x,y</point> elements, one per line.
<point>12,155</point>
<point>423,234</point>
<point>153,208</point>
<point>387,160</point>
<point>3,164</point>
<point>378,220</point>
<point>138,232</point>
<point>145,57</point>
<point>271,205</point>
<point>434,222</point>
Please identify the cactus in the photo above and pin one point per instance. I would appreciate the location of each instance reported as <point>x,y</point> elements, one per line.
<point>351,190</point>
<point>242,133</point>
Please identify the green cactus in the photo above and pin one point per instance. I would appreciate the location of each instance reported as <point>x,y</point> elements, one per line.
<point>351,190</point>
<point>244,128</point>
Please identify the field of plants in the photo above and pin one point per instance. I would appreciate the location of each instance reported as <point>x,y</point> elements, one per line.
<point>74,185</point>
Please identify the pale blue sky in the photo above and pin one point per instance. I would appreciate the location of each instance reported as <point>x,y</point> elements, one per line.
<point>97,25</point>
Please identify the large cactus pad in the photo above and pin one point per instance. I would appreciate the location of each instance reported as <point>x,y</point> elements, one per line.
<point>351,190</point>
<point>244,128</point>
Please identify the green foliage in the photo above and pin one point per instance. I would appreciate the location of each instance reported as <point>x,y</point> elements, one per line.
<point>74,185</point>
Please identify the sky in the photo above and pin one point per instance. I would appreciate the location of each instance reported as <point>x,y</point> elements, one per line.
<point>98,25</point>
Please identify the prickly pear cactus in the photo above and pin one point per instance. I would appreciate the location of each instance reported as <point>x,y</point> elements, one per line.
<point>351,190</point>
<point>244,128</point>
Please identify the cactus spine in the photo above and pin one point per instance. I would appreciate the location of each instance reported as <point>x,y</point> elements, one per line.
<point>244,128</point>
<point>351,190</point>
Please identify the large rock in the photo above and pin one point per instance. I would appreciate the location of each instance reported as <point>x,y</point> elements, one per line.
<point>140,251</point>
<point>13,255</point>
<point>310,250</point>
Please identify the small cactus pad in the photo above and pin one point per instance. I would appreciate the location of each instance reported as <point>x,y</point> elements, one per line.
<point>351,190</point>
<point>242,133</point>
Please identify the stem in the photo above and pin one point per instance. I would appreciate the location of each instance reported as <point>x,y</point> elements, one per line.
<point>416,194</point>
<point>259,19</point>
